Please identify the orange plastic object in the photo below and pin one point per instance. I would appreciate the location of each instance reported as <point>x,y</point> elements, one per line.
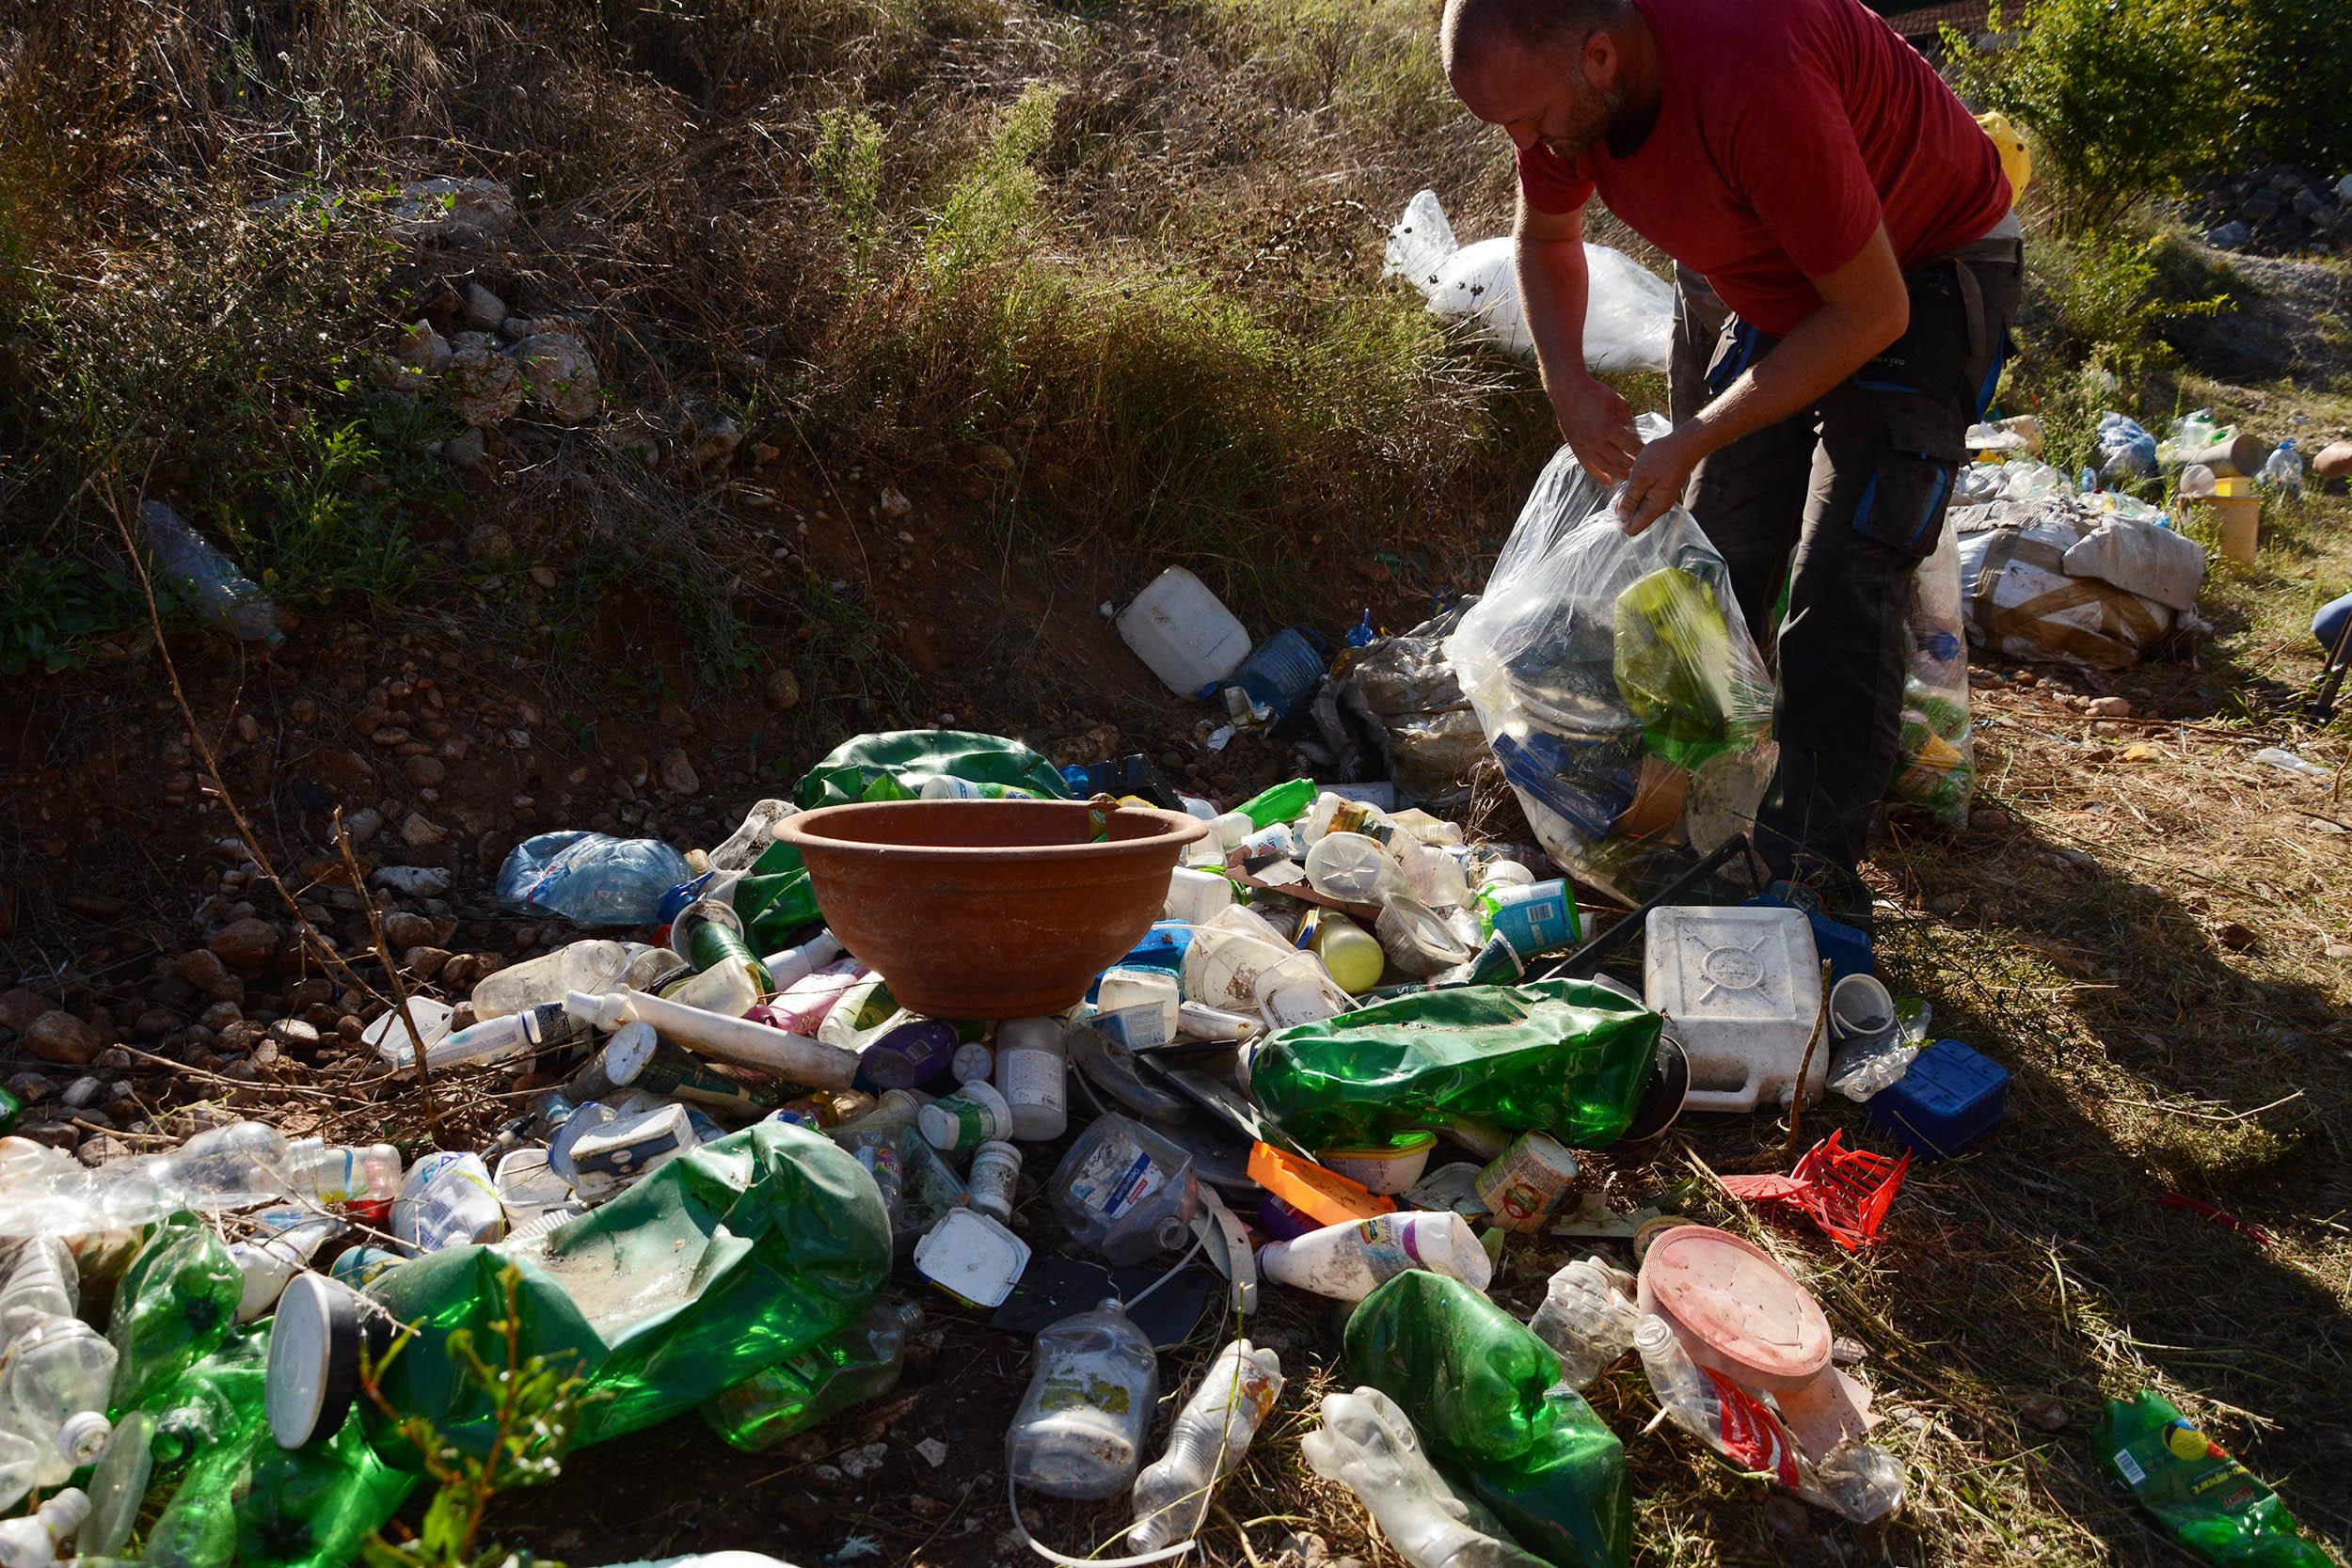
<point>1324,1196</point>
<point>1847,1191</point>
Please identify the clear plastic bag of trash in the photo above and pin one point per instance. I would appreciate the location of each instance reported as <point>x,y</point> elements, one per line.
<point>1936,767</point>
<point>1618,686</point>
<point>1628,311</point>
<point>591,878</point>
<point>2125,449</point>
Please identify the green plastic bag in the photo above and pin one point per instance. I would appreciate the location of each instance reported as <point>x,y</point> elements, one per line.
<point>895,765</point>
<point>1566,1057</point>
<point>1678,672</point>
<point>720,1263</point>
<point>2204,1499</point>
<point>774,898</point>
<point>1485,1394</point>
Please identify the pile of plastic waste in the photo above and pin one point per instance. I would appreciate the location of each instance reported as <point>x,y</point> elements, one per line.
<point>757,1171</point>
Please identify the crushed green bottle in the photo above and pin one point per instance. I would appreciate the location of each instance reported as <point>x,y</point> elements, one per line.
<point>1566,1057</point>
<point>1485,1394</point>
<point>723,1263</point>
<point>2207,1501</point>
<point>859,1364</point>
<point>175,1304</point>
<point>1281,803</point>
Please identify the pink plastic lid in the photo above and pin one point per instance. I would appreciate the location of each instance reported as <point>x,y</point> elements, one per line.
<point>1734,1307</point>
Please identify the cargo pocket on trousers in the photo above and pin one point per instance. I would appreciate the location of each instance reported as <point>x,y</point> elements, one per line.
<point>1911,479</point>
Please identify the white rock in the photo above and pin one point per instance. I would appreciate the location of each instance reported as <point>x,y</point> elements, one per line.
<point>558,374</point>
<point>486,387</point>
<point>463,213</point>
<point>412,881</point>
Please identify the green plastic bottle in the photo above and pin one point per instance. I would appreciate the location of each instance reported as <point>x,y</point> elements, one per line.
<point>2206,1501</point>
<point>1486,1395</point>
<point>861,1362</point>
<point>10,1108</point>
<point>1282,804</point>
<point>175,1304</point>
<point>313,1507</point>
<point>1567,1057</point>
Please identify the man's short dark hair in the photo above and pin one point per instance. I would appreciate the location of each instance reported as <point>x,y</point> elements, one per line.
<point>1535,24</point>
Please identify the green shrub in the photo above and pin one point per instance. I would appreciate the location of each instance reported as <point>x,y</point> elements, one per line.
<point>2121,97</point>
<point>2300,55</point>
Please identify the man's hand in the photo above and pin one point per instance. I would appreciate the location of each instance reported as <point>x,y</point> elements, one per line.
<point>1658,478</point>
<point>1598,425</point>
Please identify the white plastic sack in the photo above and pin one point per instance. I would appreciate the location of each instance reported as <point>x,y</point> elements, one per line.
<point>1937,766</point>
<point>1629,312</point>
<point>1617,684</point>
<point>2023,602</point>
<point>2151,562</point>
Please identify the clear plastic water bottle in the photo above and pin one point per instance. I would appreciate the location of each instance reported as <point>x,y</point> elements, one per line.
<point>20,1463</point>
<point>54,1383</point>
<point>2283,470</point>
<point>42,1282</point>
<point>1079,1430</point>
<point>591,878</point>
<point>366,1177</point>
<point>1369,1445</point>
<point>33,1540</point>
<point>241,1165</point>
<point>1211,1435</point>
<point>1588,1318</point>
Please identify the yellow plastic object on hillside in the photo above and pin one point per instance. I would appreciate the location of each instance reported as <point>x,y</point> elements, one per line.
<point>2016,162</point>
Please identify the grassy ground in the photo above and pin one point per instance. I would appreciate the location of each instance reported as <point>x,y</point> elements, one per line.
<point>1094,286</point>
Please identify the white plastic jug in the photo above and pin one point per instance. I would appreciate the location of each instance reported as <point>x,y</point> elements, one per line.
<point>1179,628</point>
<point>1743,989</point>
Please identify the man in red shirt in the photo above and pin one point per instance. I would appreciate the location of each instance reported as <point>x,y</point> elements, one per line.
<point>1807,163</point>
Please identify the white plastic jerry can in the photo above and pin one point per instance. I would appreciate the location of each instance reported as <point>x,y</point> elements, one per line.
<point>1182,631</point>
<point>1742,989</point>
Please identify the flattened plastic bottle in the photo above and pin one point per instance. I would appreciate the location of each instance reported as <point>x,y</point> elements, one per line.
<point>53,1378</point>
<point>1079,1430</point>
<point>1588,1318</point>
<point>232,1168</point>
<point>1368,1445</point>
<point>1211,1435</point>
<point>859,1364</point>
<point>40,1282</point>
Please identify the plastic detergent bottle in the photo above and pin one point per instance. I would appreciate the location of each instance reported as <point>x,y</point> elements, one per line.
<point>1125,1191</point>
<point>1347,1261</point>
<point>1211,1435</point>
<point>1079,1430</point>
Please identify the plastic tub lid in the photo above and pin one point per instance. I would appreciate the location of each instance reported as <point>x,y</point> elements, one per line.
<point>1735,1306</point>
<point>972,1257</point>
<point>315,1340</point>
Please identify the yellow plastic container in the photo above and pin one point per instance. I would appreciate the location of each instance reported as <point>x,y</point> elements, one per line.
<point>1352,954</point>
<point>2237,521</point>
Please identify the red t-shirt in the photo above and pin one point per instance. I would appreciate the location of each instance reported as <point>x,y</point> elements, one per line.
<point>1788,129</point>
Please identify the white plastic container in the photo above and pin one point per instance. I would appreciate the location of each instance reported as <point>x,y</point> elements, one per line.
<point>1032,1069</point>
<point>1179,628</point>
<point>1352,867</point>
<point>996,1166</point>
<point>972,1257</point>
<point>1743,989</point>
<point>1197,896</point>
<point>1156,991</point>
<point>1347,1261</point>
<point>449,1199</point>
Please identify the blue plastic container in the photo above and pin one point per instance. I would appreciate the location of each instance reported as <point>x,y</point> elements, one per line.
<point>1284,672</point>
<point>1951,1097</point>
<point>1847,949</point>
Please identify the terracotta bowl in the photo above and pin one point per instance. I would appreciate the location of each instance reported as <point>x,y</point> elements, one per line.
<point>988,908</point>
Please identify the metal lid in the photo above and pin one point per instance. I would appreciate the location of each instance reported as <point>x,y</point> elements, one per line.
<point>1735,1307</point>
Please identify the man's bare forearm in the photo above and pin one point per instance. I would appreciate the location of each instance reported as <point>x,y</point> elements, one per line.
<point>1553,287</point>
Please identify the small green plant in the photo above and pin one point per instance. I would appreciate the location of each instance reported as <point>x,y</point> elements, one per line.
<point>538,1404</point>
<point>995,201</point>
<point>848,166</point>
<point>2122,97</point>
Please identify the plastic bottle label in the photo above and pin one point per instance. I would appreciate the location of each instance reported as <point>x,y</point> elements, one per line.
<point>1114,1191</point>
<point>1033,1078</point>
<point>1535,920</point>
<point>1143,1028</point>
<point>1390,1248</point>
<point>1752,1436</point>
